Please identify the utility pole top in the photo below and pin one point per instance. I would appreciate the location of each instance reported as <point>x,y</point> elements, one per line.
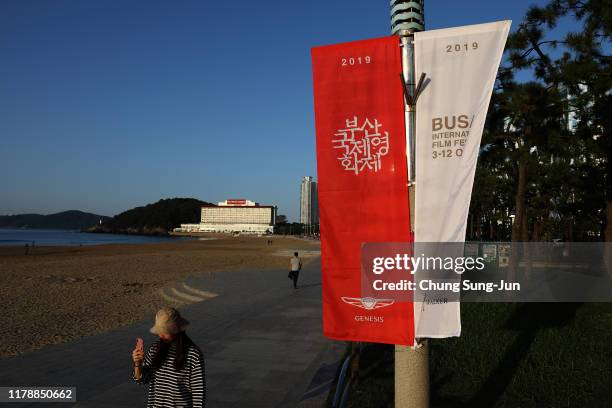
<point>407,16</point>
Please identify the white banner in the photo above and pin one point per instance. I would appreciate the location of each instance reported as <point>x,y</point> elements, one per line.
<point>461,65</point>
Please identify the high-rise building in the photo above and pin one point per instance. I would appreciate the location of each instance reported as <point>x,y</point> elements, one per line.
<point>309,202</point>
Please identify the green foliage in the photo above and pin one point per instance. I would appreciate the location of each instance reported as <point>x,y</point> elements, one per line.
<point>508,355</point>
<point>565,184</point>
<point>156,218</point>
<point>286,228</point>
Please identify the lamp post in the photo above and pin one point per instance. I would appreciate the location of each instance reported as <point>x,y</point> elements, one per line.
<point>411,363</point>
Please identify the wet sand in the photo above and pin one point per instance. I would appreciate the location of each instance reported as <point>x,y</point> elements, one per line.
<point>57,294</point>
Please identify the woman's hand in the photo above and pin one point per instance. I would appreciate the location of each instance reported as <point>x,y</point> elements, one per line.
<point>137,356</point>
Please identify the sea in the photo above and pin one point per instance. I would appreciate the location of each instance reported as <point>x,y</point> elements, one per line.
<point>42,237</point>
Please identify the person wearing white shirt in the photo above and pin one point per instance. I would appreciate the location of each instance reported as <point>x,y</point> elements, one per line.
<point>295,267</point>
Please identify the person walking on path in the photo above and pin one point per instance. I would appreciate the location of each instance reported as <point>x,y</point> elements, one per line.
<point>173,366</point>
<point>295,268</point>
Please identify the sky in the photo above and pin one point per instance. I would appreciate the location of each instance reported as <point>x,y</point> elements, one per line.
<point>108,105</point>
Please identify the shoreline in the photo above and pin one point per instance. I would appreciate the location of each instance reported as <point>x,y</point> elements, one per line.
<point>61,293</point>
<point>24,238</point>
<point>137,238</point>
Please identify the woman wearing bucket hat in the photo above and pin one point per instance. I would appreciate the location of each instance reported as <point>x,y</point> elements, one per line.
<point>173,367</point>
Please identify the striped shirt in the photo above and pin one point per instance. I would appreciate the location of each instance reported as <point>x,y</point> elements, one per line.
<point>168,387</point>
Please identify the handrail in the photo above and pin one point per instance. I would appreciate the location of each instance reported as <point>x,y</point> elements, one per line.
<point>340,391</point>
<point>345,393</point>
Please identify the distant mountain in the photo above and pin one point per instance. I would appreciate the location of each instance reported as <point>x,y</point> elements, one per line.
<point>155,219</point>
<point>70,220</point>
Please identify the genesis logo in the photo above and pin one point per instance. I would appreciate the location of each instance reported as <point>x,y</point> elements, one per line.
<point>367,303</point>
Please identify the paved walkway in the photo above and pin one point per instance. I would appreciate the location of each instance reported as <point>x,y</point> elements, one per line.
<point>262,342</point>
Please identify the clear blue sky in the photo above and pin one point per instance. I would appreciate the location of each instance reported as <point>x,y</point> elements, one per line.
<point>107,105</point>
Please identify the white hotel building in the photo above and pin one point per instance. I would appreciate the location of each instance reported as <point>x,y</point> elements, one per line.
<point>234,215</point>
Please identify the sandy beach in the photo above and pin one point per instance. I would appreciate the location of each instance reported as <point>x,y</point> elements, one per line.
<point>56,294</point>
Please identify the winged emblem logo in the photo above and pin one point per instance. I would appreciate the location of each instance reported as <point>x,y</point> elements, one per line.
<point>367,303</point>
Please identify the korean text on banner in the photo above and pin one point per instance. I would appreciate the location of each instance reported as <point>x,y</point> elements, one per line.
<point>362,182</point>
<point>461,64</point>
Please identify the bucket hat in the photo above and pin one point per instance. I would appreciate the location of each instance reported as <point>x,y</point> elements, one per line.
<point>169,320</point>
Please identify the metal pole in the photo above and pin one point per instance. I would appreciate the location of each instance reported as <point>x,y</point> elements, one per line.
<point>407,44</point>
<point>411,363</point>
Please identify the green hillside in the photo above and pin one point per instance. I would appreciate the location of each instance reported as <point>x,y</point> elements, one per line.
<point>155,219</point>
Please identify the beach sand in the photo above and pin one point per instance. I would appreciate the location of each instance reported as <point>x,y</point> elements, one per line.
<point>57,294</point>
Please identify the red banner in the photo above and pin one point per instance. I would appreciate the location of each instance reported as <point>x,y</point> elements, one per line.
<point>363,187</point>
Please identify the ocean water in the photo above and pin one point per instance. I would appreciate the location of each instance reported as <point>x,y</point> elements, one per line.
<point>41,237</point>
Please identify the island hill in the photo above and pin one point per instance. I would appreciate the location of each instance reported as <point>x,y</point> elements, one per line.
<point>65,220</point>
<point>153,219</point>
